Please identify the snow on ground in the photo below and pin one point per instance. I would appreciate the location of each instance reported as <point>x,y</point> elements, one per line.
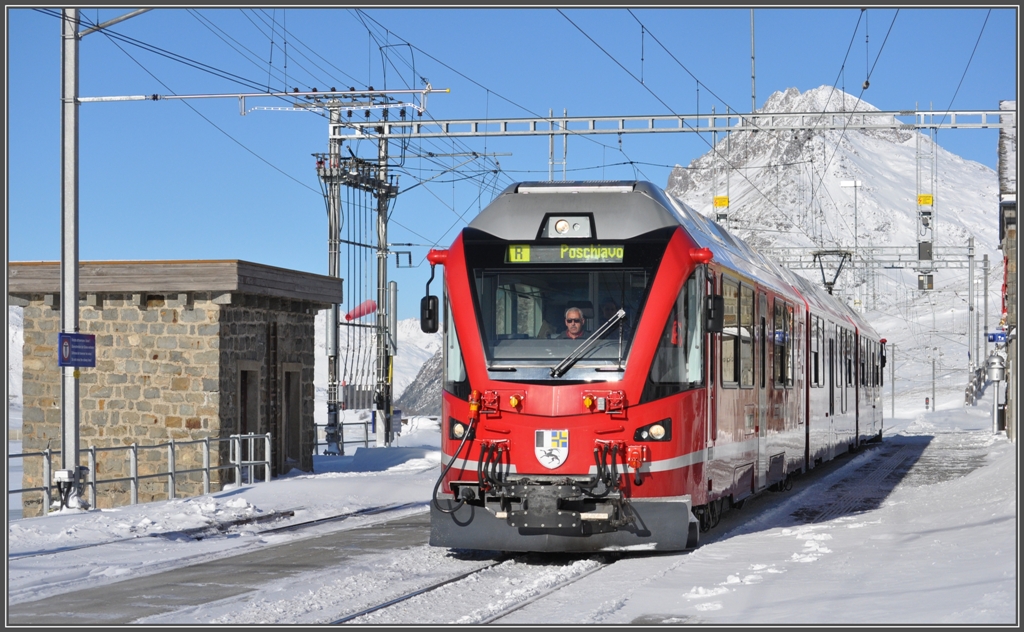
<point>933,553</point>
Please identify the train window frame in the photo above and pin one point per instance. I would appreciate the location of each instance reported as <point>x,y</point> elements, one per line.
<point>782,350</point>
<point>862,362</point>
<point>681,349</point>
<point>790,329</point>
<point>453,361</point>
<point>815,353</point>
<point>746,342</point>
<point>728,343</point>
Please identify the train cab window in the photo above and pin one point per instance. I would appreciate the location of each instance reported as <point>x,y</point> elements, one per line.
<point>679,359</point>
<point>730,332</point>
<point>746,336</point>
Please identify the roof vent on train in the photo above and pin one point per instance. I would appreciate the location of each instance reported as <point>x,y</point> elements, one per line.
<point>576,187</point>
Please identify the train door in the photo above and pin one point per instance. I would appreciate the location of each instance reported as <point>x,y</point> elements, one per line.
<point>711,371</point>
<point>762,390</point>
<point>830,450</point>
<point>858,385</point>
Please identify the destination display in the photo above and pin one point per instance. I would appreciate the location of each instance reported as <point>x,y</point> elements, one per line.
<point>564,253</point>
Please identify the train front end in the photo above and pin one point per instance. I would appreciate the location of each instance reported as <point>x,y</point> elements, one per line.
<point>573,412</point>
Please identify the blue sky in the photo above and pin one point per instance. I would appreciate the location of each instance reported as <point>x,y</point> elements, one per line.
<point>195,180</point>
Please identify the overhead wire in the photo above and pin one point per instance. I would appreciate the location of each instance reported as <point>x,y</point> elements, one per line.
<point>182,59</point>
<point>115,38</point>
<point>966,68</point>
<point>666,106</point>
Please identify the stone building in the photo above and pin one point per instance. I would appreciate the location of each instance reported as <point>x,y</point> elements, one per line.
<point>185,351</point>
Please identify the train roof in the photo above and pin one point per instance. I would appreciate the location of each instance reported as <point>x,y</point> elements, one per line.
<point>623,209</point>
<point>619,210</point>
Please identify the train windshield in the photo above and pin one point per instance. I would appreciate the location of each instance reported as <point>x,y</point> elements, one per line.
<point>535,310</point>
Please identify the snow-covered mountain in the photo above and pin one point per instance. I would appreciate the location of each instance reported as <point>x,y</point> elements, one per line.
<point>785,187</point>
<point>423,396</point>
<point>786,190</point>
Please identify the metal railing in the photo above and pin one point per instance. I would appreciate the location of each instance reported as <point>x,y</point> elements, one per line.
<point>235,462</point>
<point>365,441</point>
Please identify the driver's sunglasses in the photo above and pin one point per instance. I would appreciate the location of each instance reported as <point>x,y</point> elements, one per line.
<point>573,320</point>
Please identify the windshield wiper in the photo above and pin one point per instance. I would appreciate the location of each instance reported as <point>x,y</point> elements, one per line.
<point>575,356</point>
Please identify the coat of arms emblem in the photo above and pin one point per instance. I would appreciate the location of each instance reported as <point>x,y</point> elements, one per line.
<point>551,447</point>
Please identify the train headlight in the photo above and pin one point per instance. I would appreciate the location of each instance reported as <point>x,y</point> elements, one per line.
<point>561,227</point>
<point>658,431</point>
<point>457,430</point>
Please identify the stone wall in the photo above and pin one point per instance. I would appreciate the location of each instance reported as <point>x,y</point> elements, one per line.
<point>165,370</point>
<point>253,329</point>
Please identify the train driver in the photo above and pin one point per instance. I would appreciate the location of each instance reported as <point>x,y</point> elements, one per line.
<point>573,324</point>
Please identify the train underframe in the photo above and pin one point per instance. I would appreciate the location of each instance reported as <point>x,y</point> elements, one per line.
<point>560,514</point>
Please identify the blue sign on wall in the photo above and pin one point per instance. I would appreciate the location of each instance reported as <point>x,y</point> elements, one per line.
<point>76,350</point>
<point>999,336</point>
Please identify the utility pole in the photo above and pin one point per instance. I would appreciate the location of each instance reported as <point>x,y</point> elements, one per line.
<point>934,401</point>
<point>69,244</point>
<point>69,391</point>
<point>382,395</point>
<point>753,91</point>
<point>971,333</point>
<point>856,184</point>
<point>984,270</point>
<point>330,173</point>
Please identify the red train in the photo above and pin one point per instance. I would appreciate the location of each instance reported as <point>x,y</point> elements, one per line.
<point>620,370</point>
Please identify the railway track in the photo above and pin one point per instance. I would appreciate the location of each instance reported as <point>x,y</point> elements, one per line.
<point>523,579</point>
<point>225,529</point>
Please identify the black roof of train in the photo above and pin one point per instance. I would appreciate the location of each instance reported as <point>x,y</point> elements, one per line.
<point>620,210</point>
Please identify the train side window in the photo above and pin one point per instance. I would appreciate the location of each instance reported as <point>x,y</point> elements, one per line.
<point>862,362</point>
<point>730,332</point>
<point>849,359</point>
<point>788,347</point>
<point>679,360</point>
<point>783,361</point>
<point>455,379</point>
<point>815,352</point>
<point>746,336</point>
